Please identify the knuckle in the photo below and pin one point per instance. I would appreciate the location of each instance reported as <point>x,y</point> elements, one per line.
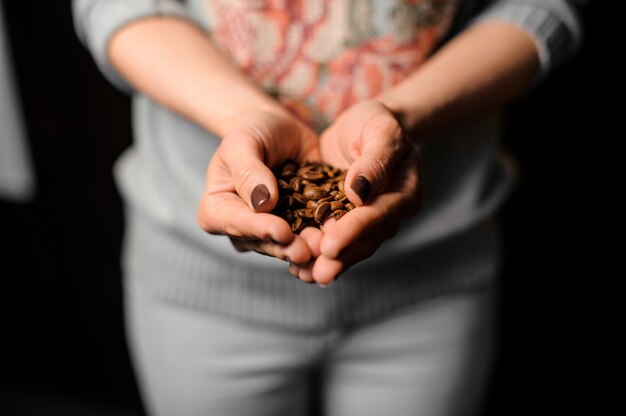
<point>244,174</point>
<point>203,217</point>
<point>232,230</point>
<point>385,126</point>
<point>378,168</point>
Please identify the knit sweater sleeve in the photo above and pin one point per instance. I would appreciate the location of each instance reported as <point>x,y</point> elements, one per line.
<point>554,25</point>
<point>96,21</point>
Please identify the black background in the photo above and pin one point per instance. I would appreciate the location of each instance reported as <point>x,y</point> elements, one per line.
<point>62,349</point>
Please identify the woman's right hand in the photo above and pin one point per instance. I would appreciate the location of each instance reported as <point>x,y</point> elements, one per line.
<point>241,189</point>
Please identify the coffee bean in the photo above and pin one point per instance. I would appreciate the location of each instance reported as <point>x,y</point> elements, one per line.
<point>295,184</point>
<point>284,186</point>
<point>288,171</point>
<point>315,193</point>
<point>299,198</point>
<point>313,176</point>
<point>309,193</point>
<point>304,213</point>
<point>341,196</point>
<point>297,225</point>
<point>329,171</point>
<point>321,212</point>
<point>311,204</point>
<point>326,199</point>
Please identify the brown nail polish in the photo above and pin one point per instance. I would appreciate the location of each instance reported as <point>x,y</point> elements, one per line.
<point>259,196</point>
<point>362,187</point>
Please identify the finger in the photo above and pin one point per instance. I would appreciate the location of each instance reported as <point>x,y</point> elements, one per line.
<point>401,199</point>
<point>383,146</point>
<point>313,237</point>
<point>253,180</point>
<point>305,274</point>
<point>326,270</point>
<point>226,214</point>
<point>296,252</point>
<point>303,271</point>
<point>294,269</point>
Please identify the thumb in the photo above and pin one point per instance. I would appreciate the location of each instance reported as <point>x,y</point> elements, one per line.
<point>383,146</point>
<point>253,180</point>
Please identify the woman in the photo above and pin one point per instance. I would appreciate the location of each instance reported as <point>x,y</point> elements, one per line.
<point>242,86</point>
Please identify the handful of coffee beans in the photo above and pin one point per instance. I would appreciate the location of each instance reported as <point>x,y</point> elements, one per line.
<point>309,193</point>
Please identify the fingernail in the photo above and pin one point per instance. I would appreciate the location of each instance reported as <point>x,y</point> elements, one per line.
<point>362,187</point>
<point>323,286</point>
<point>259,196</point>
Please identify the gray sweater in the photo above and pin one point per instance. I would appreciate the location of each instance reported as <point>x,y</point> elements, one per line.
<point>449,246</point>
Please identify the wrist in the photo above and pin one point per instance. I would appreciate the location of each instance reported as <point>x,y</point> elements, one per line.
<point>413,116</point>
<point>239,114</point>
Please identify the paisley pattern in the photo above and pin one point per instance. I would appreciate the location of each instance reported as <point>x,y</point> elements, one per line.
<point>319,57</point>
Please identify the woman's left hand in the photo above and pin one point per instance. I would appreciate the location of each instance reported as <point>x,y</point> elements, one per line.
<point>382,181</point>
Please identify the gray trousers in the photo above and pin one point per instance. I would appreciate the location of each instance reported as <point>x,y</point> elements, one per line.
<point>431,360</point>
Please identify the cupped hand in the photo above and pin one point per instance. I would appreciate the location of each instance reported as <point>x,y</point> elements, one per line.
<point>382,181</point>
<point>241,189</point>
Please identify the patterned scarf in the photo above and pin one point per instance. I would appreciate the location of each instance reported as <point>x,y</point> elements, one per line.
<point>319,57</point>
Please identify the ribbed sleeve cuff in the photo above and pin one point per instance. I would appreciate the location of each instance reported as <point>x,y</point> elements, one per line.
<point>556,30</point>
<point>97,20</point>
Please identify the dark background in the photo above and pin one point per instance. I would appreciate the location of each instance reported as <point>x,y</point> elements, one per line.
<point>62,350</point>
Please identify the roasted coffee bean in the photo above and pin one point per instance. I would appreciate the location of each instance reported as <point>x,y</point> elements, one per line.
<point>325,199</point>
<point>297,225</point>
<point>288,171</point>
<point>341,196</point>
<point>335,205</point>
<point>295,184</point>
<point>299,198</point>
<point>310,193</point>
<point>321,212</point>
<point>329,171</point>
<point>284,186</point>
<point>315,193</point>
<point>305,213</point>
<point>313,176</point>
<point>308,187</point>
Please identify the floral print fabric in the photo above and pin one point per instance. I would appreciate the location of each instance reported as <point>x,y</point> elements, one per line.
<point>319,57</point>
